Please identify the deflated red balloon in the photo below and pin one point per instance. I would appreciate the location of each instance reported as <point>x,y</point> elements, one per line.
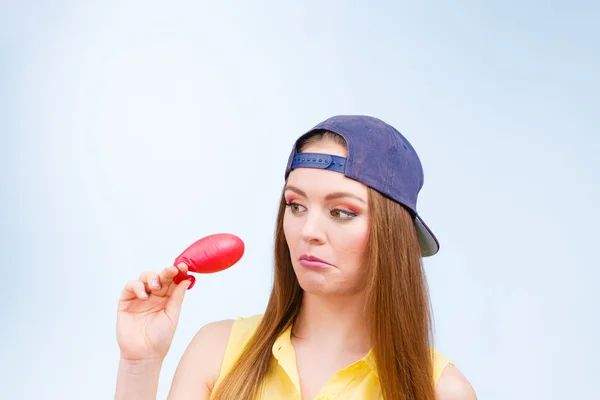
<point>210,254</point>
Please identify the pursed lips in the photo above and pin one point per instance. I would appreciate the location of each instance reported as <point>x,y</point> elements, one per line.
<point>313,260</point>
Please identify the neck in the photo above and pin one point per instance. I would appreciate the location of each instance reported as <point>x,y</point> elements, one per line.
<point>333,322</point>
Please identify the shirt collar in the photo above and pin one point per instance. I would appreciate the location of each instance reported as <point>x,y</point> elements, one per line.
<point>283,351</point>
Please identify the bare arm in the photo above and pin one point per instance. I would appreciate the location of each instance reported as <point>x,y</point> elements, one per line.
<point>137,380</point>
<point>454,386</point>
<point>147,317</point>
<point>200,365</point>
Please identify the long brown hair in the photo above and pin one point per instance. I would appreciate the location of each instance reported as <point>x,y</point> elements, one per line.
<point>397,306</point>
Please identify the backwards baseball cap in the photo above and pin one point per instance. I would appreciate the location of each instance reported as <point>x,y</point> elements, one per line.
<point>378,156</point>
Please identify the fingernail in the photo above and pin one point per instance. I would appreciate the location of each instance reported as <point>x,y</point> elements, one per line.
<point>155,283</point>
<point>144,294</point>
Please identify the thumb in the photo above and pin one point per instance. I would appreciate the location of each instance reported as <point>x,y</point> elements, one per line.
<point>173,306</point>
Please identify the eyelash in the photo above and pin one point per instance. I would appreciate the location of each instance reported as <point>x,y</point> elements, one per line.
<point>350,215</point>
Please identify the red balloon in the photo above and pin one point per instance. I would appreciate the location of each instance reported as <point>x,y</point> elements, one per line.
<point>210,254</point>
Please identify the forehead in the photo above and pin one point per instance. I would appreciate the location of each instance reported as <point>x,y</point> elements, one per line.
<point>319,182</point>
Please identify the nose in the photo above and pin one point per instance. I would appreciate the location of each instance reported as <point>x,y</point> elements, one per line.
<point>313,228</point>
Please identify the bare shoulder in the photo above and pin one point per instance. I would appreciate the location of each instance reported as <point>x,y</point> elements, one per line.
<point>454,386</point>
<point>200,364</point>
<point>212,337</point>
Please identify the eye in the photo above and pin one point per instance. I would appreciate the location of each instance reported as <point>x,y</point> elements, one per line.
<point>294,207</point>
<point>342,214</point>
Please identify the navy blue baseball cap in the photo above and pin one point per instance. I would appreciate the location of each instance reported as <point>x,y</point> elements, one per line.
<point>378,156</point>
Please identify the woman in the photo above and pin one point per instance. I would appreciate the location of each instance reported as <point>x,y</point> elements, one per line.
<point>348,316</point>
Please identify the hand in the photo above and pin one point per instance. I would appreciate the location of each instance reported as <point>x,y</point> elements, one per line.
<point>148,314</point>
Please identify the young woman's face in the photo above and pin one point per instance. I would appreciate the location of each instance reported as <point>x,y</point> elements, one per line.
<point>327,218</point>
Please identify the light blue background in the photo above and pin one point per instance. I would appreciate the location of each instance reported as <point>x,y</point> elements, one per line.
<point>130,129</point>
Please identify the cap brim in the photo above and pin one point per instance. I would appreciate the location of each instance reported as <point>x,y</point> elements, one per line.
<point>427,240</point>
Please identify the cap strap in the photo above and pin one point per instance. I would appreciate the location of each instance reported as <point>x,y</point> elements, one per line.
<point>319,160</point>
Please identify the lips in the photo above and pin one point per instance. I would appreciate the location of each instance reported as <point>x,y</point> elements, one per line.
<point>313,262</point>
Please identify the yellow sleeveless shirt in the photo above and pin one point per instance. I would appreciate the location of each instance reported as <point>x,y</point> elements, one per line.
<point>357,381</point>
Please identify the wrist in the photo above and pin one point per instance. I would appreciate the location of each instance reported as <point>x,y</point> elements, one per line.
<point>138,379</point>
<point>141,367</point>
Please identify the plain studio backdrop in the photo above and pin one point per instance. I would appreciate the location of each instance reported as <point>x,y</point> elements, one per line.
<point>131,129</point>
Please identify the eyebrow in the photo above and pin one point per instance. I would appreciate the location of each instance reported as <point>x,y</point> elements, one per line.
<point>330,196</point>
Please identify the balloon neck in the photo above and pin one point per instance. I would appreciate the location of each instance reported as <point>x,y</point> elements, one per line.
<point>183,276</point>
<point>192,280</point>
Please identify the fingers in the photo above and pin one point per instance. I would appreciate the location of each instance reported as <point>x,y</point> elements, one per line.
<point>160,284</point>
<point>167,274</point>
<point>134,289</point>
<point>150,282</point>
<point>173,307</point>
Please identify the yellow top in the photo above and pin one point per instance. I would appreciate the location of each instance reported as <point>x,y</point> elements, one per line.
<point>357,381</point>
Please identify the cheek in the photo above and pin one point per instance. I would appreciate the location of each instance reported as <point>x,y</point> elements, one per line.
<point>289,231</point>
<point>352,245</point>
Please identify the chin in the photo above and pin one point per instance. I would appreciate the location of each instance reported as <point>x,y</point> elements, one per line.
<point>316,286</point>
<point>319,285</point>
